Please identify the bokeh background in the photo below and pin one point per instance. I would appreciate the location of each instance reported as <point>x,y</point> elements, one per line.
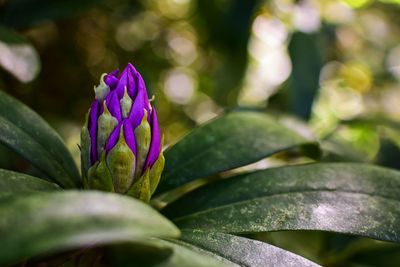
<point>334,65</point>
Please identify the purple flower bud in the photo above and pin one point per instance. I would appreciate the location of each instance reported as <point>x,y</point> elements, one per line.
<point>121,139</point>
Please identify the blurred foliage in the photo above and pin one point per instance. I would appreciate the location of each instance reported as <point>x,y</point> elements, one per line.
<point>335,64</point>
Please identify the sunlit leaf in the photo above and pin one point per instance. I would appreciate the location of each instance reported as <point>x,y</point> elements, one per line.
<point>28,134</point>
<point>357,3</point>
<point>44,223</point>
<point>348,198</point>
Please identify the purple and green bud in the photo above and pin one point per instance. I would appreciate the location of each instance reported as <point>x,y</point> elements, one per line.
<point>121,141</point>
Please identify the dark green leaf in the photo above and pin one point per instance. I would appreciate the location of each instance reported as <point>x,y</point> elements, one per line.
<point>28,134</point>
<point>362,252</point>
<point>348,198</point>
<point>387,254</point>
<point>243,251</point>
<point>52,222</point>
<point>230,141</point>
<point>304,52</point>
<point>228,33</point>
<point>388,154</point>
<point>15,182</point>
<point>164,253</point>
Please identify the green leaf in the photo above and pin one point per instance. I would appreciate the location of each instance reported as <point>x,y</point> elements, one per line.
<point>18,56</point>
<point>44,223</point>
<point>243,251</point>
<point>28,134</point>
<point>305,53</point>
<point>363,252</point>
<point>230,141</point>
<point>348,198</point>
<point>15,182</point>
<point>388,154</point>
<point>164,253</point>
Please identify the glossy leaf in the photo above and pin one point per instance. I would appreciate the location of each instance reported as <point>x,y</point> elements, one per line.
<point>230,141</point>
<point>349,198</point>
<point>52,222</point>
<point>28,134</point>
<point>15,182</point>
<point>164,253</point>
<point>243,251</point>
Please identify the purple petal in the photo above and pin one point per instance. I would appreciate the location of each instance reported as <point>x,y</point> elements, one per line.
<point>132,74</point>
<point>155,145</point>
<point>113,105</point>
<point>114,73</point>
<point>142,88</point>
<point>111,81</point>
<point>126,80</point>
<point>122,83</point>
<point>112,140</point>
<point>137,110</point>
<point>129,136</point>
<point>92,125</point>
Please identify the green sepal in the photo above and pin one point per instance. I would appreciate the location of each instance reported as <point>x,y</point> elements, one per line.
<point>85,150</point>
<point>121,162</point>
<point>99,176</point>
<point>155,173</point>
<point>102,90</point>
<point>125,103</point>
<point>141,188</point>
<point>105,125</point>
<point>143,138</point>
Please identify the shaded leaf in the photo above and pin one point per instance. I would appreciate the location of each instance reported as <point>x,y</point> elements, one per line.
<point>15,182</point>
<point>306,60</point>
<point>243,251</point>
<point>164,253</point>
<point>228,33</point>
<point>364,252</point>
<point>348,198</point>
<point>384,255</point>
<point>28,134</point>
<point>388,154</point>
<point>230,141</point>
<point>52,222</point>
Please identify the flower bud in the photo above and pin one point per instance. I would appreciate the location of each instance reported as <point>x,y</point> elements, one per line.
<point>121,141</point>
